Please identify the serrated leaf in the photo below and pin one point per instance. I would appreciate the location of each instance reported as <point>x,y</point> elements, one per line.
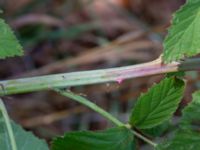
<point>186,138</point>
<point>183,140</point>
<point>158,104</point>
<point>9,45</point>
<point>24,140</point>
<point>184,34</point>
<point>13,137</point>
<point>191,113</point>
<point>111,139</point>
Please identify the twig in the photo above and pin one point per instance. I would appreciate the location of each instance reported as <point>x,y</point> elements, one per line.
<point>118,75</point>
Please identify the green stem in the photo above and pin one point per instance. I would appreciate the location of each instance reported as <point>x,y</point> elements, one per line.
<point>24,85</point>
<point>91,105</point>
<point>8,125</point>
<point>104,113</point>
<point>144,138</point>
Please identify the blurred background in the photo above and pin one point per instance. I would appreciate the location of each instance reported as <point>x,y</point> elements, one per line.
<point>74,35</point>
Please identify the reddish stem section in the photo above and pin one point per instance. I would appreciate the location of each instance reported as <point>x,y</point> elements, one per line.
<point>118,75</point>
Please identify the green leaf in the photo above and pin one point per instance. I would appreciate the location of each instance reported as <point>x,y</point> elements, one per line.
<point>13,137</point>
<point>158,104</point>
<point>112,139</point>
<point>191,113</point>
<point>184,34</point>
<point>186,138</point>
<point>24,140</point>
<point>158,130</point>
<point>9,45</point>
<point>183,140</point>
<point>6,128</point>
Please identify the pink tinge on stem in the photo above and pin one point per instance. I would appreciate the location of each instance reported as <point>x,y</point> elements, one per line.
<point>120,80</point>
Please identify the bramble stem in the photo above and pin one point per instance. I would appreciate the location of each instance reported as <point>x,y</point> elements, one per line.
<point>104,113</point>
<point>91,105</point>
<point>24,85</point>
